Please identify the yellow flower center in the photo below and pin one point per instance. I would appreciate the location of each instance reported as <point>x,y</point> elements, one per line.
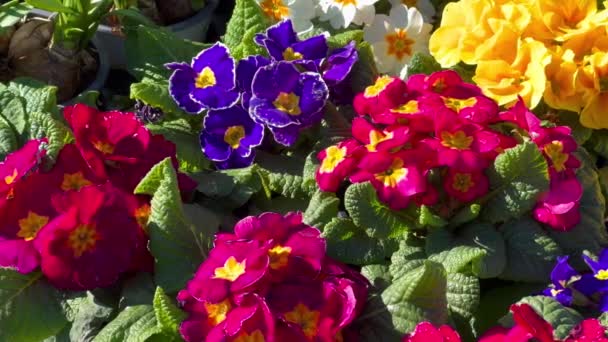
<point>399,44</point>
<point>395,173</point>
<point>288,103</point>
<point>376,137</point>
<point>290,55</point>
<point>234,135</point>
<point>307,319</point>
<point>334,155</point>
<point>378,86</point>
<point>410,107</point>
<point>83,239</point>
<point>10,179</point>
<point>103,147</point>
<point>463,182</point>
<point>142,215</point>
<point>74,181</point>
<point>216,313</point>
<point>256,336</point>
<point>602,275</point>
<point>275,9</point>
<point>459,104</point>
<point>279,257</point>
<point>555,151</point>
<point>231,270</point>
<point>458,140</point>
<point>439,85</point>
<point>205,79</point>
<point>30,225</point>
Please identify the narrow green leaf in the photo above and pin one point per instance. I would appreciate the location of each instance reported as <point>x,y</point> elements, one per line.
<point>134,324</point>
<point>168,315</point>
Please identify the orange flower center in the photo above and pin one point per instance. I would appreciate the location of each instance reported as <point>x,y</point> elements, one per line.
<point>83,239</point>
<point>279,257</point>
<point>255,336</point>
<point>307,319</point>
<point>103,147</point>
<point>555,151</point>
<point>216,313</point>
<point>275,9</point>
<point>458,140</point>
<point>142,215</point>
<point>399,44</point>
<point>30,225</point>
<point>463,182</point>
<point>74,181</point>
<point>410,3</point>
<point>10,179</point>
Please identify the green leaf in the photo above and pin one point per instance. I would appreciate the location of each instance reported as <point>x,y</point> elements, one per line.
<point>43,125</point>
<point>12,110</point>
<point>151,48</point>
<point>422,63</point>
<point>168,315</point>
<point>189,153</point>
<point>462,294</point>
<point>464,215</point>
<point>603,319</point>
<point>30,309</point>
<point>517,177</point>
<point>11,13</point>
<point>51,6</point>
<point>531,254</point>
<point>8,140</point>
<point>177,246</point>
<point>134,324</point>
<point>364,71</point>
<point>376,324</point>
<point>90,313</point>
<point>429,219</point>
<point>347,243</point>
<point>562,319</point>
<point>248,181</point>
<point>137,290</point>
<point>343,38</point>
<point>579,132</point>
<point>368,212</point>
<point>378,275</point>
<point>590,234</point>
<point>418,295</point>
<point>322,208</point>
<point>459,258</point>
<point>406,259</point>
<point>247,20</point>
<point>90,98</point>
<point>156,94</point>
<point>39,96</point>
<point>285,175</point>
<point>485,236</point>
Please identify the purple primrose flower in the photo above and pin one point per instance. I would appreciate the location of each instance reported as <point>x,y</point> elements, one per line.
<point>283,44</point>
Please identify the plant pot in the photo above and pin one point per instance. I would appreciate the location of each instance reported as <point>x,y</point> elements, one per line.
<point>194,28</point>
<point>99,52</point>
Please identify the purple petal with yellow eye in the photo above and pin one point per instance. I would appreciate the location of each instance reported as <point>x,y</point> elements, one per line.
<point>562,272</point>
<point>339,64</point>
<point>230,135</point>
<point>282,44</point>
<point>245,71</point>
<point>181,86</point>
<point>218,59</point>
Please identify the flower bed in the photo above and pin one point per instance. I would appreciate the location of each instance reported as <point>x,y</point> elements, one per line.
<point>330,170</point>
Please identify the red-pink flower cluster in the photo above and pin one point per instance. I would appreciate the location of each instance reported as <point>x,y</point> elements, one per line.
<point>439,125</point>
<point>79,221</point>
<point>271,281</point>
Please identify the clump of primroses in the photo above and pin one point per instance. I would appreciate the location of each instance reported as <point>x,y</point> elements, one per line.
<point>79,221</point>
<point>270,280</point>
<point>430,140</point>
<point>282,93</point>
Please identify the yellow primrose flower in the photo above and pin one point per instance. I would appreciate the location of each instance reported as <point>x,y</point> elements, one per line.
<point>593,78</point>
<point>524,77</point>
<point>561,91</point>
<point>557,17</point>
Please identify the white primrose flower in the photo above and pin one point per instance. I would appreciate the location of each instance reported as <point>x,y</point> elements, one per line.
<point>396,38</point>
<point>299,11</point>
<point>341,13</point>
<point>424,6</point>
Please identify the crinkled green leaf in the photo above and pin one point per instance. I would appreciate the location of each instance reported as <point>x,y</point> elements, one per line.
<point>156,94</point>
<point>247,19</point>
<point>462,294</point>
<point>427,218</point>
<point>43,125</point>
<point>485,236</point>
<point>562,319</point>
<point>531,253</point>
<point>378,275</point>
<point>349,244</point>
<point>464,215</point>
<point>8,139</point>
<point>248,181</point>
<point>30,307</point>
<point>12,110</point>
<point>322,208</point>
<point>177,245</point>
<point>133,324</point>
<point>152,47</point>
<point>285,175</point>
<point>168,315</point>
<point>376,218</point>
<point>422,63</point>
<point>519,175</point>
<point>39,96</point>
<point>459,258</point>
<point>590,234</point>
<point>418,295</point>
<point>90,313</point>
<point>341,39</point>
<point>406,259</point>
<point>189,153</point>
